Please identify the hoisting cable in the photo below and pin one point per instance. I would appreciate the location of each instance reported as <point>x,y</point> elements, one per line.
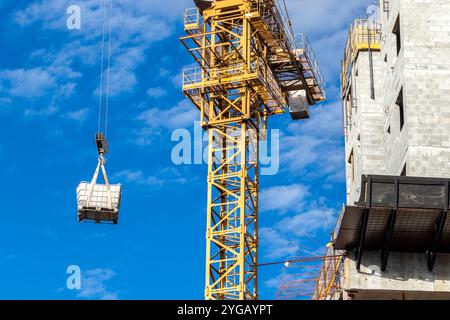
<point>109,70</point>
<point>107,14</point>
<point>304,260</point>
<point>101,141</point>
<point>102,210</point>
<point>100,91</point>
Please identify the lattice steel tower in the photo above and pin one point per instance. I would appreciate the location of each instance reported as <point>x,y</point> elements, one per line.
<point>250,68</point>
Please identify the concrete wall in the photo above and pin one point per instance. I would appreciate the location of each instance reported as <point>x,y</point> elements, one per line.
<point>365,137</point>
<point>422,69</point>
<point>406,277</point>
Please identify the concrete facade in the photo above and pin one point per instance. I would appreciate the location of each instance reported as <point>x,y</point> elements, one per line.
<point>414,70</point>
<point>364,140</point>
<point>407,277</point>
<point>418,67</point>
<point>403,130</point>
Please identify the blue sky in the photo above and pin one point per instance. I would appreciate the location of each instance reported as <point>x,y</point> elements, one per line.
<point>48,110</point>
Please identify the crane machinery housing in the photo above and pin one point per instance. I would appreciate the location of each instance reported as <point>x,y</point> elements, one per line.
<point>250,67</point>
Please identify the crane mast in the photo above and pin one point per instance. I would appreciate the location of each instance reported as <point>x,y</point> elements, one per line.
<point>247,65</point>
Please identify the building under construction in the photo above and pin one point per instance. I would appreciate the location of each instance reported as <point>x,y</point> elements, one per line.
<point>392,239</point>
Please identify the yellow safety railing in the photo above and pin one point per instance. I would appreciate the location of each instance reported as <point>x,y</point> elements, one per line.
<point>363,35</point>
<point>197,77</point>
<point>328,281</point>
<point>302,43</point>
<point>192,19</point>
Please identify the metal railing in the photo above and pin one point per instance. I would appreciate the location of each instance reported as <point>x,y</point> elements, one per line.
<point>328,281</point>
<point>337,225</point>
<point>278,24</point>
<point>302,43</point>
<point>273,87</point>
<point>192,19</point>
<point>274,19</point>
<point>192,76</point>
<point>364,34</point>
<point>197,76</point>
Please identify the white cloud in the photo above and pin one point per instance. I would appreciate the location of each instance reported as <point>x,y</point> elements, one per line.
<point>155,119</point>
<point>283,198</point>
<point>93,284</point>
<point>177,79</point>
<point>78,115</point>
<point>138,177</point>
<point>274,283</point>
<point>163,177</point>
<point>41,112</point>
<point>308,223</point>
<point>33,83</point>
<point>275,245</point>
<point>329,50</point>
<point>326,121</point>
<point>320,17</point>
<point>156,92</point>
<point>298,152</point>
<point>27,83</point>
<point>316,144</point>
<point>128,14</point>
<point>135,26</point>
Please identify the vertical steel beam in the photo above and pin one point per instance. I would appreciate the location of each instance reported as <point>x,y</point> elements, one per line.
<point>369,43</point>
<point>384,255</point>
<point>365,221</point>
<point>432,252</point>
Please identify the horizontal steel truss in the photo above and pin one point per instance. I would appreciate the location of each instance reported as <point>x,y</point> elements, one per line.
<point>224,68</point>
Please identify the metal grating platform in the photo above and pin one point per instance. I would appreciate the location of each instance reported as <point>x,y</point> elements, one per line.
<point>92,215</point>
<point>402,214</point>
<point>414,229</point>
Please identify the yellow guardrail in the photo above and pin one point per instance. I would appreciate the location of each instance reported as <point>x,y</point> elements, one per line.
<point>302,43</point>
<point>192,19</point>
<point>363,35</point>
<point>328,281</point>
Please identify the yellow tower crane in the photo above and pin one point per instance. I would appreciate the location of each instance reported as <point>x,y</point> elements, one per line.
<point>249,68</point>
